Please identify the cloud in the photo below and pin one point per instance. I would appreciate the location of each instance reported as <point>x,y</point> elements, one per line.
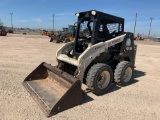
<point>56,15</point>
<point>64,14</point>
<point>21,21</point>
<point>30,20</point>
<point>37,20</point>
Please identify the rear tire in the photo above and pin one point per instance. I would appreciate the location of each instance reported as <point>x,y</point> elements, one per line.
<point>123,74</point>
<point>99,78</point>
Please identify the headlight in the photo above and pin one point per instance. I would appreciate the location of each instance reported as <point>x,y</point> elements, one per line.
<point>77,14</point>
<point>93,12</point>
<point>128,42</point>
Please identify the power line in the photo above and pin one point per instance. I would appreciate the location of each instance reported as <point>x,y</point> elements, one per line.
<point>151,18</point>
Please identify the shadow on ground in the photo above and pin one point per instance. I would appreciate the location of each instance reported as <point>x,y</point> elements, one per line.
<point>138,73</point>
<point>86,98</point>
<point>114,87</point>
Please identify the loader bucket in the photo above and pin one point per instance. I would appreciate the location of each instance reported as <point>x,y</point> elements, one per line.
<point>55,39</point>
<point>52,89</point>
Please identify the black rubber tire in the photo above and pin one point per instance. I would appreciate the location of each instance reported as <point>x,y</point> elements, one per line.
<point>92,78</point>
<point>3,33</point>
<point>120,71</point>
<point>51,40</point>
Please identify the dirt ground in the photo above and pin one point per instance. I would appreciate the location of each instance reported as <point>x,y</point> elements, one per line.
<point>20,54</point>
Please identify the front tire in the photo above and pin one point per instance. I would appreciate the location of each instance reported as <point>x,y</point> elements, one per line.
<point>99,78</point>
<point>123,74</point>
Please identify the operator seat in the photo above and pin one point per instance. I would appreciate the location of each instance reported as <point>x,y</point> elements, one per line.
<point>103,35</point>
<point>106,32</point>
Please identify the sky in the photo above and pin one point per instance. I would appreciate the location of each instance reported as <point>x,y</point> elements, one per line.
<point>39,13</point>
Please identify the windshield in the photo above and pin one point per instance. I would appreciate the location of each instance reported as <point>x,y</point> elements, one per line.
<point>86,28</point>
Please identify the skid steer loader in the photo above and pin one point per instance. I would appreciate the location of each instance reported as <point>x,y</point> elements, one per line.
<point>102,55</point>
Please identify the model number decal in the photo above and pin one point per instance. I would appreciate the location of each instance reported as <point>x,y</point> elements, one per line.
<point>99,47</point>
<point>113,42</point>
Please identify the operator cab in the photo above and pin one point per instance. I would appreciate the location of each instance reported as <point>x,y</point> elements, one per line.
<point>94,27</point>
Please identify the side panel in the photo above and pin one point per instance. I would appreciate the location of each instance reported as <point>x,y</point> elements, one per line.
<point>92,52</point>
<point>65,48</point>
<point>128,48</point>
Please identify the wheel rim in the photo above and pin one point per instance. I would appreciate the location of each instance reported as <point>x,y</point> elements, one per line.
<point>103,80</point>
<point>127,74</point>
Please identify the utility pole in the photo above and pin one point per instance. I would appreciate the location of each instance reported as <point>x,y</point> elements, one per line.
<point>11,20</point>
<point>53,21</point>
<point>151,18</point>
<point>0,23</point>
<point>135,24</point>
